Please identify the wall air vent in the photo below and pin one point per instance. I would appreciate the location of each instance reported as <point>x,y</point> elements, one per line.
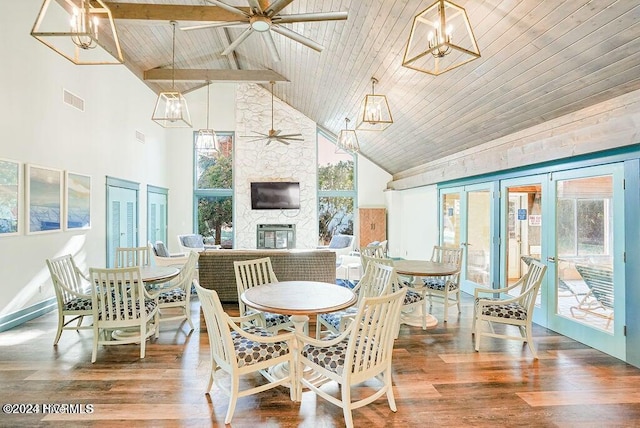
<point>139,137</point>
<point>72,100</point>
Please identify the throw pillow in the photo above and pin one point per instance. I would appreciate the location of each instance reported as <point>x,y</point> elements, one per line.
<point>161,249</point>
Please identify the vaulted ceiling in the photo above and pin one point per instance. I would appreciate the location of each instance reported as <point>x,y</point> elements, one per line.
<point>540,60</point>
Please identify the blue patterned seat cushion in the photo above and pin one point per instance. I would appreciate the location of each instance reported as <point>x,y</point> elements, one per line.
<point>271,319</point>
<point>172,296</point>
<point>333,318</point>
<point>329,357</point>
<point>439,284</point>
<point>149,306</point>
<point>275,319</point>
<point>250,352</point>
<point>509,311</point>
<point>412,297</point>
<point>78,304</point>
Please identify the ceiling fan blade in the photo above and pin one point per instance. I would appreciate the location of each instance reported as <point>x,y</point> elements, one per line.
<point>271,45</point>
<point>214,25</point>
<point>256,139</point>
<point>290,136</point>
<point>280,140</point>
<point>297,37</point>
<point>241,38</point>
<point>277,6</point>
<point>310,17</point>
<point>255,5</point>
<point>256,136</point>
<point>228,8</point>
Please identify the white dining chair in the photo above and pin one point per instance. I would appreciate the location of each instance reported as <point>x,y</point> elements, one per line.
<point>241,352</point>
<point>121,303</point>
<point>73,294</point>
<point>362,352</point>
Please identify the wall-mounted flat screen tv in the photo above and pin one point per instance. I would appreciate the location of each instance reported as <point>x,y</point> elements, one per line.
<point>273,195</point>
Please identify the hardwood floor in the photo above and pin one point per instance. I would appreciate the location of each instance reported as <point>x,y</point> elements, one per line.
<point>439,381</point>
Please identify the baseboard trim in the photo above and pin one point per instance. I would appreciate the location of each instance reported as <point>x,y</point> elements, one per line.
<point>12,320</point>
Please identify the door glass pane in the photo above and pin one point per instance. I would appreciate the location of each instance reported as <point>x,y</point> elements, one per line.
<point>479,236</point>
<point>524,230</point>
<point>585,239</point>
<point>215,220</point>
<point>451,219</point>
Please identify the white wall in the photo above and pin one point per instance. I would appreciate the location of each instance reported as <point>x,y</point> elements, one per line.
<point>37,128</point>
<point>372,182</point>
<point>413,222</point>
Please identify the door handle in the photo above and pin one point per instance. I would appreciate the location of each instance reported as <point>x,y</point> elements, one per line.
<point>551,259</point>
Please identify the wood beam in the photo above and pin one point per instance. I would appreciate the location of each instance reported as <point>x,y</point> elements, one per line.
<point>168,12</point>
<point>214,75</point>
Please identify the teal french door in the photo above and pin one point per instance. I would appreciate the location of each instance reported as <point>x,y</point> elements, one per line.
<point>522,225</point>
<point>466,220</point>
<point>157,210</point>
<point>586,256</point>
<point>122,216</point>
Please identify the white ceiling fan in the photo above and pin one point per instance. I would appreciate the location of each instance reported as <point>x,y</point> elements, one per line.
<point>275,135</point>
<point>266,20</point>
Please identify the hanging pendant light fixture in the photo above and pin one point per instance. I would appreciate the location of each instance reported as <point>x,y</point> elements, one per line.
<point>171,109</point>
<point>347,140</point>
<point>441,39</point>
<point>374,112</point>
<point>206,140</point>
<point>72,29</point>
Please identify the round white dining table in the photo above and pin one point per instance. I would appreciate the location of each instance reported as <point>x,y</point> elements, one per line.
<point>154,274</point>
<point>418,269</point>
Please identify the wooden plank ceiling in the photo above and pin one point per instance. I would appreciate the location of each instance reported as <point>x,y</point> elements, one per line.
<point>540,60</point>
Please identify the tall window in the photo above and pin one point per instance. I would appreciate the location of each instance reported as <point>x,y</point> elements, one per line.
<point>213,191</point>
<point>336,190</point>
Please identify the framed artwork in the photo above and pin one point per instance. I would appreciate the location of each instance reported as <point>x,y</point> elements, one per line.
<point>10,197</point>
<point>44,199</point>
<point>77,196</point>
